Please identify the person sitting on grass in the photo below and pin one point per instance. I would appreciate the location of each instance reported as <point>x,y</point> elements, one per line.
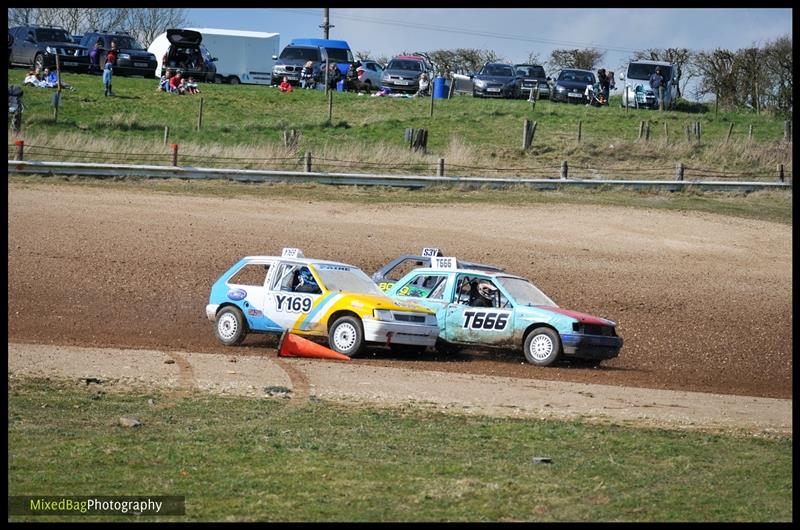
<point>175,83</point>
<point>285,85</point>
<point>191,86</point>
<point>32,79</point>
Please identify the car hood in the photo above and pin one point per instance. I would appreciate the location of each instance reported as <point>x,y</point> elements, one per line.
<point>384,302</point>
<point>404,73</point>
<point>494,79</point>
<point>138,53</point>
<point>571,84</point>
<point>61,44</point>
<point>583,318</point>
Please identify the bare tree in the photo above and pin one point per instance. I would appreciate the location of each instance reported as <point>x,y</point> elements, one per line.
<point>533,58</point>
<point>778,64</point>
<point>717,76</point>
<point>585,59</point>
<point>363,55</point>
<point>145,24</point>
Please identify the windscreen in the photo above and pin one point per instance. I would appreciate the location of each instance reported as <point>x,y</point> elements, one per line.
<point>524,292</point>
<point>302,54</point>
<point>346,278</point>
<point>644,71</point>
<point>577,77</point>
<point>340,54</point>
<point>400,64</point>
<point>500,70</point>
<point>530,71</point>
<point>52,35</point>
<point>127,43</point>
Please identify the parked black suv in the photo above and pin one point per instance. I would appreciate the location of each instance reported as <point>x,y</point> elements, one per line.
<point>533,75</point>
<point>38,46</point>
<point>132,58</point>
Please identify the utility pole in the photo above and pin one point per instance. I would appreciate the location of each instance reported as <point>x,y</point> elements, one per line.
<point>326,26</point>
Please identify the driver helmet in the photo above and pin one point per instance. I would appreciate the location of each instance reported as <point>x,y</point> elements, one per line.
<point>486,289</point>
<point>305,278</point>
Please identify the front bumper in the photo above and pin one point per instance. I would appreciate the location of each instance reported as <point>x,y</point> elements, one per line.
<point>135,67</point>
<point>211,311</point>
<point>400,333</point>
<point>395,86</point>
<point>591,346</point>
<point>79,63</point>
<point>493,92</point>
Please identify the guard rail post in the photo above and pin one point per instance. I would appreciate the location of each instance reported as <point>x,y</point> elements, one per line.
<point>174,154</point>
<point>564,170</point>
<point>780,173</point>
<point>20,149</point>
<point>679,171</point>
<point>440,168</point>
<point>308,162</point>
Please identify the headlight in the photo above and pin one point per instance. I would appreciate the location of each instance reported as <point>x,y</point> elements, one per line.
<point>382,314</point>
<point>480,83</point>
<point>50,49</point>
<point>125,56</point>
<point>560,88</point>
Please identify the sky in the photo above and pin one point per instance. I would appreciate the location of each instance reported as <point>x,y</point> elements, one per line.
<point>513,33</point>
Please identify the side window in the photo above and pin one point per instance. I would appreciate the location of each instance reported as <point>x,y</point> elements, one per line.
<point>295,278</point>
<point>403,268</point>
<point>252,274</point>
<point>476,291</point>
<point>371,66</point>
<point>424,286</point>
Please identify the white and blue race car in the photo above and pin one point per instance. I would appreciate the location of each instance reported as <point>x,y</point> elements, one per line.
<point>497,309</point>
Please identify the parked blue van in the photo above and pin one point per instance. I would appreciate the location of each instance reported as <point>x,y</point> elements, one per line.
<point>291,60</point>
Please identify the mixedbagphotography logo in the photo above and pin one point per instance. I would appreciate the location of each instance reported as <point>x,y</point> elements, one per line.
<point>96,505</point>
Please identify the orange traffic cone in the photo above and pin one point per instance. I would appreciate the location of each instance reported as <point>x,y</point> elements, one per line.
<point>296,346</point>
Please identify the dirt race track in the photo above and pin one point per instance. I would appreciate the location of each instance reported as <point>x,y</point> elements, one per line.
<point>703,302</point>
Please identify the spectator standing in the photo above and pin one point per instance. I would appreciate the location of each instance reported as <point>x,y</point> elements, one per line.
<point>113,54</point>
<point>334,75</point>
<point>107,71</point>
<point>307,75</point>
<point>656,81</point>
<point>605,85</point>
<point>94,57</point>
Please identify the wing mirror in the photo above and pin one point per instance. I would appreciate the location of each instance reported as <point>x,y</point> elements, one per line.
<point>274,57</point>
<point>622,77</point>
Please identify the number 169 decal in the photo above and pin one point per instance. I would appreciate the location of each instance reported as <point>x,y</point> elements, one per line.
<point>489,320</point>
<point>293,304</point>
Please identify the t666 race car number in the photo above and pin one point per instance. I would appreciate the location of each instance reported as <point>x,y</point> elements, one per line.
<point>293,304</point>
<point>485,320</point>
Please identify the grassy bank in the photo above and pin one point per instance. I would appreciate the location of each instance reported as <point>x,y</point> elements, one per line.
<point>264,459</point>
<point>474,136</point>
<point>765,205</point>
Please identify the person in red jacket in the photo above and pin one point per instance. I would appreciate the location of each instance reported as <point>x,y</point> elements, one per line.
<point>175,84</point>
<point>285,86</point>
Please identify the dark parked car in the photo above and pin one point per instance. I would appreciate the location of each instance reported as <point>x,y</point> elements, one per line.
<point>403,72</point>
<point>571,85</point>
<point>132,59</point>
<point>185,53</point>
<point>496,80</point>
<point>38,46</point>
<point>531,75</point>
<point>77,39</point>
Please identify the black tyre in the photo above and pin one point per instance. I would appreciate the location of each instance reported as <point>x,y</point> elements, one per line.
<point>233,80</point>
<point>219,79</point>
<point>542,347</point>
<point>231,327</point>
<point>38,61</point>
<point>346,336</point>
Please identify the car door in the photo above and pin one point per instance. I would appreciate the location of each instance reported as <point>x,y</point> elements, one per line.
<point>27,48</point>
<point>430,290</point>
<point>286,301</point>
<point>248,288</point>
<point>468,323</point>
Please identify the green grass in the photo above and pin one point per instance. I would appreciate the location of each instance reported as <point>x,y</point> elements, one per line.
<point>487,132</point>
<point>261,459</point>
<point>769,205</point>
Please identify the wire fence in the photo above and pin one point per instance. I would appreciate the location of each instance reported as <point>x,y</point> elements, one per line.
<point>432,166</point>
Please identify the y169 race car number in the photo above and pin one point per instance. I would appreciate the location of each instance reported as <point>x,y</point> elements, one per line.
<point>293,304</point>
<point>485,320</point>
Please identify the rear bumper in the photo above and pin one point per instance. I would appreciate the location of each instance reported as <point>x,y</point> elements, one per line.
<point>591,346</point>
<point>400,333</point>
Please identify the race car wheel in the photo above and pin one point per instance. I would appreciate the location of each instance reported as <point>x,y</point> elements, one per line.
<point>542,347</point>
<point>230,326</point>
<point>346,336</point>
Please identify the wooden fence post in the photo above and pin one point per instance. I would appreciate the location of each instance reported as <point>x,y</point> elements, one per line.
<point>679,171</point>
<point>451,88</point>
<point>200,115</point>
<point>532,134</point>
<point>750,134</point>
<point>580,126</point>
<point>728,137</point>
<point>308,162</point>
<point>432,98</point>
<point>666,134</point>
<point>330,106</point>
<point>564,170</point>
<point>780,172</point>
<point>688,135</point>
<point>787,131</point>
<point>647,131</point>
<point>641,129</point>
<point>526,127</point>
<point>166,134</point>
<point>20,149</point>
<point>174,154</point>
<point>661,98</point>
<point>440,168</point>
<point>57,95</point>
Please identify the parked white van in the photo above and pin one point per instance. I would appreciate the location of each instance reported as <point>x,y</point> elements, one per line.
<point>637,92</point>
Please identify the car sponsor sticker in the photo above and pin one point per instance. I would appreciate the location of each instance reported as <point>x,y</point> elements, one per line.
<point>254,312</point>
<point>486,320</point>
<point>430,252</point>
<point>237,294</point>
<point>385,286</point>
<point>439,262</point>
<point>325,267</point>
<point>293,304</point>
